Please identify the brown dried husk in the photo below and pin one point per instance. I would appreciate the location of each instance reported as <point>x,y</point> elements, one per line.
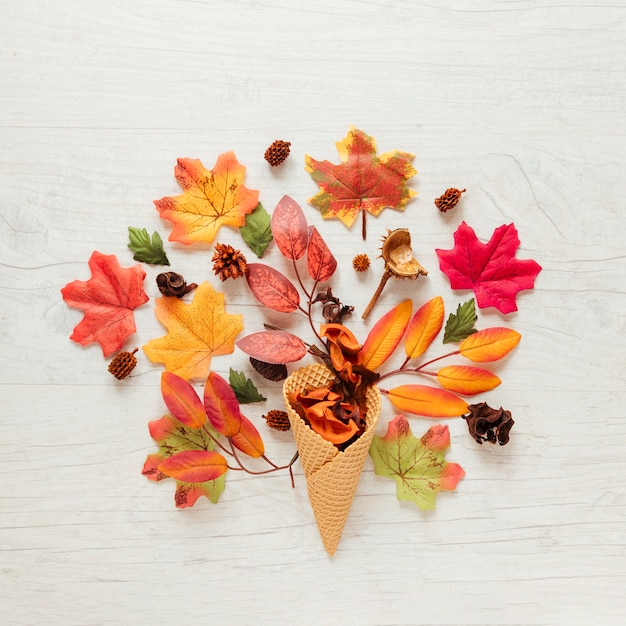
<point>332,476</point>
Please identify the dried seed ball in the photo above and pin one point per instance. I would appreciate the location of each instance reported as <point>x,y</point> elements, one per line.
<point>123,364</point>
<point>449,199</point>
<point>361,262</point>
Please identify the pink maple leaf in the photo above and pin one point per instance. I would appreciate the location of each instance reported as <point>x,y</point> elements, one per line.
<point>490,269</point>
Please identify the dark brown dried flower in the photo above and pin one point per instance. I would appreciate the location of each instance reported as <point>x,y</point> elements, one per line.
<point>173,284</point>
<point>449,199</point>
<point>361,262</point>
<point>270,371</point>
<point>123,364</point>
<point>228,262</point>
<point>278,420</point>
<point>277,152</point>
<point>487,424</point>
<point>332,309</point>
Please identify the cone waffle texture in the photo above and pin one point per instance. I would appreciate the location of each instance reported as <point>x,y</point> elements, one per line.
<point>332,476</point>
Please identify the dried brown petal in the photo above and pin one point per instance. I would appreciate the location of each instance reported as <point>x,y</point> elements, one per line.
<point>270,371</point>
<point>487,424</point>
<point>278,420</point>
<point>449,199</point>
<point>228,262</point>
<point>277,152</point>
<point>123,364</point>
<point>361,262</point>
<point>173,284</point>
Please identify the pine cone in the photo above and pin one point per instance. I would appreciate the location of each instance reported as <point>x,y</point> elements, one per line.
<point>487,424</point>
<point>277,152</point>
<point>270,371</point>
<point>449,199</point>
<point>228,262</point>
<point>123,364</point>
<point>361,262</point>
<point>278,420</point>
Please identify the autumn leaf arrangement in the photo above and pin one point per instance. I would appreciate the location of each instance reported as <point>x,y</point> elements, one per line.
<point>333,405</point>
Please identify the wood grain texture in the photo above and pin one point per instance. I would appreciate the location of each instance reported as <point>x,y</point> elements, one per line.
<point>520,101</point>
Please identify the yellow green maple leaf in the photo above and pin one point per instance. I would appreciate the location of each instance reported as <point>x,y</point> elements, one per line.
<point>196,332</point>
<point>210,199</point>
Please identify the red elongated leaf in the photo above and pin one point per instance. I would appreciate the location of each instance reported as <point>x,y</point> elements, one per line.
<point>490,269</point>
<point>271,288</point>
<point>221,406</point>
<point>467,380</point>
<point>182,400</point>
<point>424,327</point>
<point>248,439</point>
<point>289,229</point>
<point>273,346</point>
<point>385,335</point>
<point>194,466</point>
<point>490,344</point>
<point>427,401</point>
<point>108,300</point>
<point>320,261</point>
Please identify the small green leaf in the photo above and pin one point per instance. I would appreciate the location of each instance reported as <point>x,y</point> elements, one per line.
<point>257,231</point>
<point>418,466</point>
<point>460,325</point>
<point>145,249</point>
<point>244,388</point>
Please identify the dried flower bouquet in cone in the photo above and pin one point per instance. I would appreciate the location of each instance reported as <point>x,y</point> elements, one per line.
<point>332,406</point>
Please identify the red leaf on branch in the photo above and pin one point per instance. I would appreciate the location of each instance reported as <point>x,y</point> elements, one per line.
<point>321,263</point>
<point>271,288</point>
<point>490,269</point>
<point>289,229</point>
<point>182,400</point>
<point>273,346</point>
<point>194,466</point>
<point>108,299</point>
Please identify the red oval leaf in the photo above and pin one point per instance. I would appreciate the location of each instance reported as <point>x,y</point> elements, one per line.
<point>182,400</point>
<point>273,346</point>
<point>289,228</point>
<point>194,466</point>
<point>320,261</point>
<point>221,406</point>
<point>271,288</point>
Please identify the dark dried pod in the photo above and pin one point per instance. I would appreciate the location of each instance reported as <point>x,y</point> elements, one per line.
<point>123,364</point>
<point>173,284</point>
<point>449,199</point>
<point>278,420</point>
<point>487,424</point>
<point>277,152</point>
<point>270,371</point>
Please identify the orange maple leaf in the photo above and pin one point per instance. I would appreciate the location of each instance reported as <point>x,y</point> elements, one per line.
<point>362,182</point>
<point>211,198</point>
<point>196,332</point>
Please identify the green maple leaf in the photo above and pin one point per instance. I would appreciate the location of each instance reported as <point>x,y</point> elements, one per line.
<point>257,232</point>
<point>174,437</point>
<point>418,466</point>
<point>146,249</point>
<point>460,325</point>
<point>244,388</point>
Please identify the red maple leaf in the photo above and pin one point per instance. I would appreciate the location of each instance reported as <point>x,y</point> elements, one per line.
<point>107,299</point>
<point>490,269</point>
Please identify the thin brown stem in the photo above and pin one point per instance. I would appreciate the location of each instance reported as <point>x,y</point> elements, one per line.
<point>381,285</point>
<point>417,370</point>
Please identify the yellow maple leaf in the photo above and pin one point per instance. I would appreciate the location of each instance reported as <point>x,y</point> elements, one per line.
<point>196,332</point>
<point>211,198</point>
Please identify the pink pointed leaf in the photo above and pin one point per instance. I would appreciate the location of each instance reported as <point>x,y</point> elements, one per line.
<point>273,346</point>
<point>321,264</point>
<point>289,228</point>
<point>271,288</point>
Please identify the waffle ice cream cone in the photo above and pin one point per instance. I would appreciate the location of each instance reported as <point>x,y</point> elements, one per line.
<point>331,475</point>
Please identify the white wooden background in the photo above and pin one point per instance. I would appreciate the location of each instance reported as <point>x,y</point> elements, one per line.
<point>520,101</point>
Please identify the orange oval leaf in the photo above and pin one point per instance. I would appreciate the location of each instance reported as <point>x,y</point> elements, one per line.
<point>182,400</point>
<point>424,327</point>
<point>490,344</point>
<point>427,401</point>
<point>466,379</point>
<point>248,439</point>
<point>221,406</point>
<point>385,335</point>
<point>194,466</point>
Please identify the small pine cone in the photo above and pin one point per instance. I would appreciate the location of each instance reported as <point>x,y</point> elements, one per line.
<point>449,199</point>
<point>270,371</point>
<point>278,420</point>
<point>228,262</point>
<point>361,262</point>
<point>277,152</point>
<point>123,364</point>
